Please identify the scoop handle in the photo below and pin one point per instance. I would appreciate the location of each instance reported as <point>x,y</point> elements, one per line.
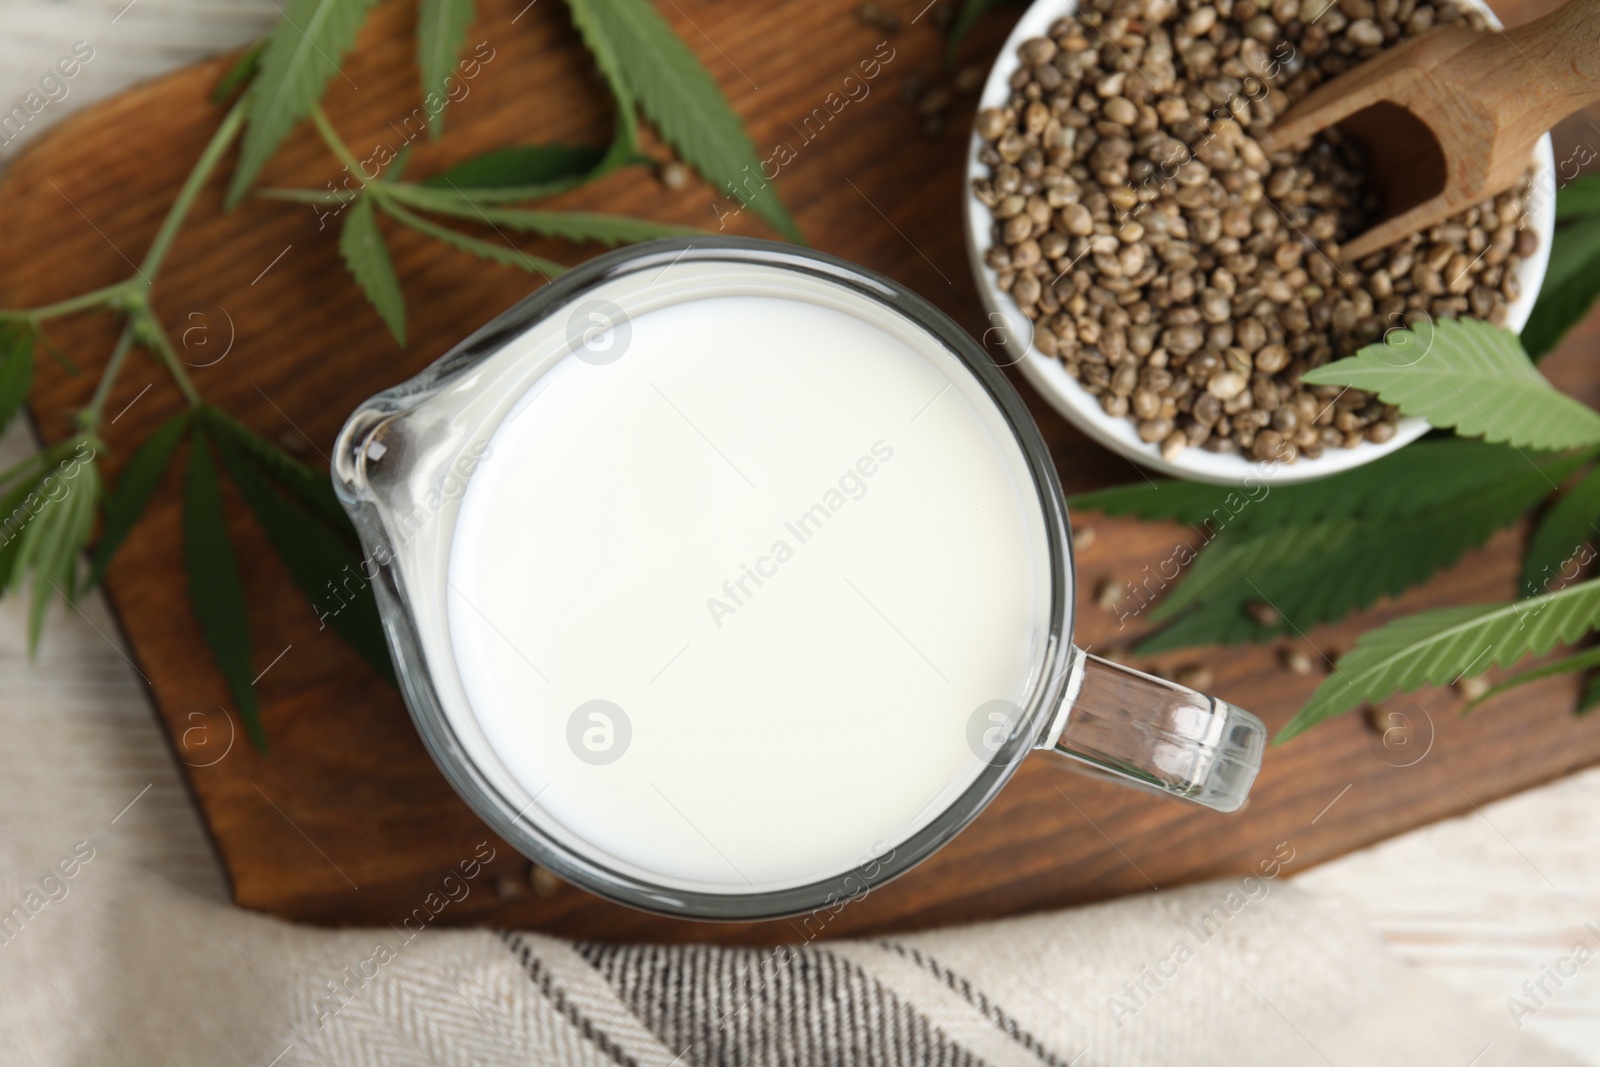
<point>1543,71</point>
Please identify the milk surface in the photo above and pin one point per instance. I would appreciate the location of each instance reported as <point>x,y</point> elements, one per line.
<point>725,605</point>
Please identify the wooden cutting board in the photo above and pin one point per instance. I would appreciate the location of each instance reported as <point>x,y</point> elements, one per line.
<point>347,820</point>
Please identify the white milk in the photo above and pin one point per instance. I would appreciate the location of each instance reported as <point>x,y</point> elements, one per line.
<point>792,541</point>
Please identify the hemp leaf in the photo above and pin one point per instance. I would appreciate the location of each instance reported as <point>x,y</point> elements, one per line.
<point>214,586</point>
<point>441,31</point>
<point>300,58</point>
<point>318,558</point>
<point>644,61</point>
<point>11,504</point>
<point>1417,476</point>
<point>1322,571</point>
<point>16,369</point>
<point>1578,198</point>
<point>1470,376</point>
<point>1569,524</point>
<point>244,68</point>
<point>48,516</point>
<point>557,166</point>
<point>576,226</point>
<point>508,254</point>
<point>1436,647</point>
<point>525,172</point>
<point>128,498</point>
<point>310,488</point>
<point>364,253</point>
<point>1580,661</point>
<point>1571,283</point>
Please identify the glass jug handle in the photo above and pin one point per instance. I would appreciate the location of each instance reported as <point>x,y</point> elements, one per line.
<point>1116,722</point>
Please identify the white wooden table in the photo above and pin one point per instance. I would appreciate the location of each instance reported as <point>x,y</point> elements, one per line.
<point>1486,903</point>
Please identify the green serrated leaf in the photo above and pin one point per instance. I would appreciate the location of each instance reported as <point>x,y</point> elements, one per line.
<point>127,500</point>
<point>1436,647</point>
<point>318,559</point>
<point>13,517</point>
<point>1578,197</point>
<point>1470,376</point>
<point>214,586</point>
<point>576,226</point>
<point>397,165</point>
<point>508,254</point>
<point>1591,695</point>
<point>515,175</point>
<point>1581,661</point>
<point>637,50</point>
<point>300,57</point>
<point>1418,476</point>
<point>244,68</point>
<point>311,488</point>
<point>441,31</point>
<point>66,496</point>
<point>31,468</point>
<point>1164,498</point>
<point>606,58</point>
<point>624,148</point>
<point>553,166</point>
<point>1323,571</point>
<point>1230,560</point>
<point>364,253</point>
<point>16,369</point>
<point>1570,523</point>
<point>1571,284</point>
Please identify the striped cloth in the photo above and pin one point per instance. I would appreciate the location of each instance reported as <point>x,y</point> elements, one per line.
<point>113,965</point>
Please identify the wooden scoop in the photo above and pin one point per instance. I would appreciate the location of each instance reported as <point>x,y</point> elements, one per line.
<point>1449,119</point>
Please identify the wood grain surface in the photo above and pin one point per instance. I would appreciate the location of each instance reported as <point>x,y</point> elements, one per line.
<point>347,820</point>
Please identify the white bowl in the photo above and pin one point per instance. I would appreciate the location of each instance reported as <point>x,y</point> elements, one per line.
<point>1083,409</point>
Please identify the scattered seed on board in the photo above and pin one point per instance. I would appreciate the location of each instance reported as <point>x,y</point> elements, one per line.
<point>969,79</point>
<point>1083,538</point>
<point>876,16</point>
<point>544,882</point>
<point>1295,660</point>
<point>1181,274</point>
<point>1263,614</point>
<point>1193,675</point>
<point>674,175</point>
<point>1108,594</point>
<point>1474,687</point>
<point>1378,720</point>
<point>507,887</point>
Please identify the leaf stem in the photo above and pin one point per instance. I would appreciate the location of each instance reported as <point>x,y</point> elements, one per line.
<point>305,196</point>
<point>109,296</point>
<point>89,417</point>
<point>154,336</point>
<point>330,137</point>
<point>179,211</point>
<point>132,294</point>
